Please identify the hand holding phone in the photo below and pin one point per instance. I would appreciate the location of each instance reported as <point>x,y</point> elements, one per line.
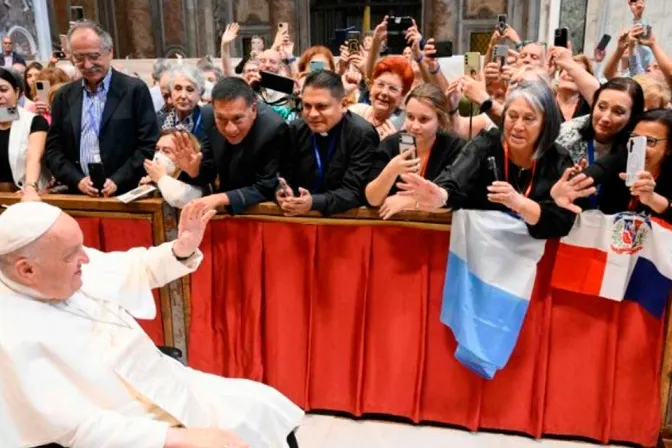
<point>492,167</point>
<point>561,38</point>
<point>284,190</point>
<point>406,142</point>
<point>636,159</point>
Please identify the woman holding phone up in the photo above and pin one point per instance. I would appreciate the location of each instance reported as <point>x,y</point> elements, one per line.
<point>512,171</point>
<point>651,190</point>
<point>429,150</point>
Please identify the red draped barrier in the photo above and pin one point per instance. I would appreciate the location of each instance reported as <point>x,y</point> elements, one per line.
<point>346,318</point>
<point>118,234</point>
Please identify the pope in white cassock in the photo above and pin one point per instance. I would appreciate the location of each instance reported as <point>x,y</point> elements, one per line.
<point>77,370</point>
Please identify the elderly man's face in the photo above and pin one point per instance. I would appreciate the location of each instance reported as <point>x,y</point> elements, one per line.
<point>53,267</point>
<point>89,56</point>
<point>269,61</point>
<point>7,45</point>
<point>532,54</point>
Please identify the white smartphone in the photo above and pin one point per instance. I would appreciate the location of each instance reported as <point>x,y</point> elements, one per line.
<point>42,90</point>
<point>8,113</point>
<point>636,159</point>
<point>406,141</point>
<point>500,54</point>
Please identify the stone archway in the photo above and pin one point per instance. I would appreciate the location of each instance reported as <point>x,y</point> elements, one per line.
<point>22,38</point>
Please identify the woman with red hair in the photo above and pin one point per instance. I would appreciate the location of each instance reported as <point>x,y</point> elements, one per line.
<point>317,53</point>
<point>392,79</point>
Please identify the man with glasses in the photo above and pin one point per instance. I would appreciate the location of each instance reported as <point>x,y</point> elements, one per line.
<point>9,56</point>
<point>104,126</point>
<point>327,163</point>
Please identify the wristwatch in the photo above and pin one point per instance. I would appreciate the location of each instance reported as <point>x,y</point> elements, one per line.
<point>486,105</point>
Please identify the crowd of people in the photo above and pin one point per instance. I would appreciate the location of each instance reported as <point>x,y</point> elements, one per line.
<point>548,137</point>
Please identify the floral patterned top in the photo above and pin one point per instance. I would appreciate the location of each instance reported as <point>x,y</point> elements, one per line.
<point>571,139</point>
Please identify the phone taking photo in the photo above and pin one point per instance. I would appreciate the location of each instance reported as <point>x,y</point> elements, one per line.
<point>97,175</point>
<point>284,188</point>
<point>353,42</point>
<point>42,90</point>
<point>501,23</point>
<point>500,54</point>
<point>9,113</point>
<point>492,167</point>
<point>604,42</point>
<point>636,159</point>
<point>444,49</point>
<point>561,38</point>
<point>406,142</point>
<point>472,64</point>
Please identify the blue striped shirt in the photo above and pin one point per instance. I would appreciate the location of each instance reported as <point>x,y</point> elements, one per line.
<point>93,104</point>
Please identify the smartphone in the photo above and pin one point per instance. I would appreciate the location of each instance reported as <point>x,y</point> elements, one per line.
<point>500,54</point>
<point>636,159</point>
<point>9,113</point>
<point>42,90</point>
<point>604,42</point>
<point>561,38</point>
<point>501,23</point>
<point>353,42</point>
<point>396,33</point>
<point>472,63</point>
<point>492,167</point>
<point>444,49</point>
<point>284,187</point>
<point>406,141</point>
<point>97,175</point>
<point>647,32</point>
<point>284,26</point>
<point>316,66</point>
<point>276,82</point>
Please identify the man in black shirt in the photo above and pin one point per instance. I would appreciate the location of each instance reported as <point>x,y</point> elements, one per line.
<point>241,145</point>
<point>330,152</point>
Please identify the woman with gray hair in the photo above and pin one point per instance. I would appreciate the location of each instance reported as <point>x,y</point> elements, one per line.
<point>511,170</point>
<point>186,85</point>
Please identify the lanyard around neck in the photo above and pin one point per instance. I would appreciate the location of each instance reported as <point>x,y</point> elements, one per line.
<point>318,160</point>
<point>506,170</point>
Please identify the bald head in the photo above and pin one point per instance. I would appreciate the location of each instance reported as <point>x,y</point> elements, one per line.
<point>269,61</point>
<point>50,265</point>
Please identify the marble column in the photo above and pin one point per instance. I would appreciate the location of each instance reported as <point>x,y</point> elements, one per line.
<point>442,18</point>
<point>284,11</point>
<point>573,17</point>
<point>138,13</point>
<point>190,17</point>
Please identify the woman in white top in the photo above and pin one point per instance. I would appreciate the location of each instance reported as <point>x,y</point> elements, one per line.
<point>163,172</point>
<point>22,139</point>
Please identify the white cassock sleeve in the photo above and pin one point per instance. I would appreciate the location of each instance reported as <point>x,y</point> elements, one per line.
<point>127,278</point>
<point>107,429</point>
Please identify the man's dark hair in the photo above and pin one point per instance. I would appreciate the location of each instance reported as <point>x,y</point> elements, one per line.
<point>326,80</point>
<point>230,89</point>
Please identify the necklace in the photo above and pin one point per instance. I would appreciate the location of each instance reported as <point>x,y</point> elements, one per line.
<point>120,322</point>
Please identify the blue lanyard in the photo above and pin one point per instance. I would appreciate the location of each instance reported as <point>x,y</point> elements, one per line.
<point>594,199</point>
<point>197,122</point>
<point>318,160</point>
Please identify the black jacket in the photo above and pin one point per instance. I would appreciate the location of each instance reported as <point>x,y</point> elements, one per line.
<point>128,133</point>
<point>345,173</point>
<point>248,171</point>
<point>468,178</point>
<point>16,58</point>
<point>614,197</point>
<point>444,151</point>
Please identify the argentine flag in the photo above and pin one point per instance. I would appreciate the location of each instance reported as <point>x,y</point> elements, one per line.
<point>492,266</point>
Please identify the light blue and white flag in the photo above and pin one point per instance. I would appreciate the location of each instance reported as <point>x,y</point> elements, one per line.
<point>492,266</point>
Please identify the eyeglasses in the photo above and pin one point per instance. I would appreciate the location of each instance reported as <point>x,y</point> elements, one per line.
<point>79,58</point>
<point>650,141</point>
<point>381,85</point>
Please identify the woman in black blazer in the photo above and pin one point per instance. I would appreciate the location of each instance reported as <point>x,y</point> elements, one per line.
<point>435,149</point>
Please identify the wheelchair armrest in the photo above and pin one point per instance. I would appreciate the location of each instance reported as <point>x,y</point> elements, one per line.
<point>171,351</point>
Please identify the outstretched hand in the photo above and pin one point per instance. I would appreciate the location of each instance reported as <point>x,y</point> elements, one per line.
<point>194,219</point>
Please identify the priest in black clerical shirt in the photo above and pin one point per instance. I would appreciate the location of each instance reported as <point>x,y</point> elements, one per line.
<point>330,152</point>
<point>242,142</point>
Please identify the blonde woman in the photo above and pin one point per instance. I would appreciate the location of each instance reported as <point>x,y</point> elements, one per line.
<point>163,172</point>
<point>428,123</point>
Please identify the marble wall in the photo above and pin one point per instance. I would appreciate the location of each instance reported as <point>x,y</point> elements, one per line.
<point>613,16</point>
<point>19,20</point>
<point>441,18</point>
<point>573,17</point>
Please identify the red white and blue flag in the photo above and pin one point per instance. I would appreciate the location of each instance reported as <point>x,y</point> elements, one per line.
<point>626,256</point>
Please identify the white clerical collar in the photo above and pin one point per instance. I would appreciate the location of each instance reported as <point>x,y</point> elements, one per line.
<point>324,134</point>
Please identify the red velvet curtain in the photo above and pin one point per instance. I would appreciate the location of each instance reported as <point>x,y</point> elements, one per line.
<point>118,234</point>
<point>346,318</point>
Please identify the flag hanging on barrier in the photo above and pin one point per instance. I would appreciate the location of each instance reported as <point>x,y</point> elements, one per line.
<point>626,256</point>
<point>492,267</point>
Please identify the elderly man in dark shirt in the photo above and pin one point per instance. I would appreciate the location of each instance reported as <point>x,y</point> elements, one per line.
<point>330,152</point>
<point>241,146</point>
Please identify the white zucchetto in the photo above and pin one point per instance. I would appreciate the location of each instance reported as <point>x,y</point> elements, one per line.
<point>25,222</point>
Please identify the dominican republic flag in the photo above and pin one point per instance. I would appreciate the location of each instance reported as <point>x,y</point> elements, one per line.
<point>492,266</point>
<point>624,256</point>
